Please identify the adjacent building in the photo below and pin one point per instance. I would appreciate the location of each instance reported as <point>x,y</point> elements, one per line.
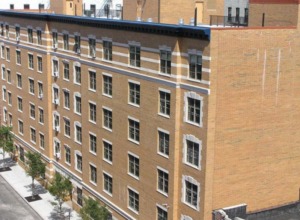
<point>158,121</point>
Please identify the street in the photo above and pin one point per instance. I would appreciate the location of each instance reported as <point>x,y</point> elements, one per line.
<point>12,206</point>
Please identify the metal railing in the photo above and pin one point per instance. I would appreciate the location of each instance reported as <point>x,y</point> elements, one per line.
<point>230,21</point>
<point>104,13</point>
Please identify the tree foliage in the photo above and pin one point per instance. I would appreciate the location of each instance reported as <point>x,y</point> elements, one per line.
<point>61,188</point>
<point>35,166</point>
<point>6,140</point>
<point>92,210</point>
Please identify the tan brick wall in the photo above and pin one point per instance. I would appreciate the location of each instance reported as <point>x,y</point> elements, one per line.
<point>275,14</point>
<point>256,131</point>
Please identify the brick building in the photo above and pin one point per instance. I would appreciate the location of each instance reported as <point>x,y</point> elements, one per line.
<point>157,121</point>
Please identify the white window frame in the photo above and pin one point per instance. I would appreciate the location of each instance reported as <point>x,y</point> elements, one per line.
<point>192,138</point>
<point>77,65</point>
<point>110,143</point>
<point>128,169</point>
<point>96,147</point>
<point>159,106</point>
<point>77,94</point>
<point>183,190</point>
<point>168,186</point>
<point>76,123</point>
<point>104,190</point>
<point>79,154</point>
<point>195,96</point>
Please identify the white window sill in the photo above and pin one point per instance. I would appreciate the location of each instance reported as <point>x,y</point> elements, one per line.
<point>133,104</point>
<point>163,155</point>
<point>136,212</point>
<point>194,123</point>
<point>191,206</point>
<point>132,175</point>
<point>107,95</point>
<point>108,193</point>
<point>107,161</point>
<point>94,153</point>
<point>192,165</point>
<point>108,129</point>
<point>134,141</point>
<point>164,115</point>
<point>163,193</point>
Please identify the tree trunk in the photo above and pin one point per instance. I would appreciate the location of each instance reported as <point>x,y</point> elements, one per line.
<point>3,154</point>
<point>32,187</point>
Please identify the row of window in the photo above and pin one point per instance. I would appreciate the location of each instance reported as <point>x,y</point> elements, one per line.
<point>195,60</point>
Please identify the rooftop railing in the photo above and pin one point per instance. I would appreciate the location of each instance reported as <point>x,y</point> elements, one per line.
<point>228,21</point>
<point>104,13</point>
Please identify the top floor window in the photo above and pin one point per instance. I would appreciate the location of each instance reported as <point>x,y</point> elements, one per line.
<point>7,30</point>
<point>193,108</point>
<point>165,61</point>
<point>107,50</point>
<point>66,41</point>
<point>92,47</point>
<point>135,56</point>
<point>195,66</point>
<point>30,37</point>
<point>77,44</point>
<point>39,37</point>
<point>54,40</point>
<point>18,33</point>
<point>26,6</point>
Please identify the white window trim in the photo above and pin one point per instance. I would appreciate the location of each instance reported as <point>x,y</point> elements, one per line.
<point>67,146</point>
<point>40,133</point>
<point>183,190</point>
<point>77,94</point>
<point>109,142</point>
<point>55,113</point>
<point>92,152</point>
<point>185,217</point>
<point>79,154</point>
<point>30,127</point>
<point>90,172</point>
<point>130,174</point>
<point>193,95</point>
<point>56,140</point>
<point>132,189</point>
<point>132,140</point>
<point>165,171</point>
<point>76,123</point>
<point>57,87</point>
<point>52,65</point>
<point>106,173</point>
<point>32,104</point>
<point>37,63</point>
<point>42,123</point>
<point>76,64</point>
<point>191,138</point>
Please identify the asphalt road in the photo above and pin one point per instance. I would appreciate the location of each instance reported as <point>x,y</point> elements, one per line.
<point>12,206</point>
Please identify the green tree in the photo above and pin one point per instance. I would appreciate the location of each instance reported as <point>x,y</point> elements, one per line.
<point>92,210</point>
<point>6,141</point>
<point>35,166</point>
<point>61,187</point>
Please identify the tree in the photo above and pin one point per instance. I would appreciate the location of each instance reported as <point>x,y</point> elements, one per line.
<point>61,188</point>
<point>35,166</point>
<point>92,210</point>
<point>6,140</point>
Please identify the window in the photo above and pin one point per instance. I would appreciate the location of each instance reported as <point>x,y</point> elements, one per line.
<point>7,54</point>
<point>134,165</point>
<point>229,14</point>
<point>78,134</point>
<point>57,148</point>
<point>8,76</point>
<point>192,153</point>
<point>107,50</point>
<point>92,47</point>
<point>162,214</point>
<point>79,162</point>
<point>30,36</point>
<point>2,52</point>
<point>133,200</point>
<point>11,6</point>
<point>165,61</point>
<point>18,33</point>
<point>10,119</point>
<point>39,37</point>
<point>194,110</point>
<point>191,192</point>
<point>9,98</point>
<point>40,64</point>
<point>20,104</point>
<point>56,122</point>
<point>77,74</point>
<point>77,44</point>
<point>40,90</point>
<point>93,112</point>
<point>246,15</point>
<point>2,30</point>
<point>135,57</point>
<point>93,143</point>
<point>107,85</point>
<point>107,183</point>
<point>32,135</point>
<point>163,143</point>
<point>107,151</point>
<point>30,61</point>
<point>164,102</point>
<point>18,55</point>
<point>66,71</point>
<point>20,126</point>
<point>195,66</point>
<point>55,68</point>
<point>41,115</point>
<point>162,181</point>
<point>32,110</point>
<point>4,94</point>
<point>55,95</point>
<point>19,81</point>
<point>67,99</point>
<point>237,15</point>
<point>79,196</point>
<point>67,127</point>
<point>31,86</point>
<point>3,73</point>
<point>92,82</point>
<point>22,155</point>
<point>41,6</point>
<point>4,115</point>
<point>134,130</point>
<point>26,6</point>
<point>93,174</point>
<point>78,104</point>
<point>54,40</point>
<point>68,155</point>
<point>66,41</point>
<point>134,93</point>
<point>107,118</point>
<point>7,30</point>
<point>42,141</point>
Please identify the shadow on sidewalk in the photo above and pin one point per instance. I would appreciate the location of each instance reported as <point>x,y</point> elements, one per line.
<point>8,162</point>
<point>56,214</point>
<point>38,189</point>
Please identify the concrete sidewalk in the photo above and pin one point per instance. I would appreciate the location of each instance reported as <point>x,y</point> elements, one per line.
<point>21,183</point>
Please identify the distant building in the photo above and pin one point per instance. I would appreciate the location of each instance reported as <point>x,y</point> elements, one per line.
<point>25,5</point>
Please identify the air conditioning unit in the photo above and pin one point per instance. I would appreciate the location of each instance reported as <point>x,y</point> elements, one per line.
<point>18,39</point>
<point>93,53</point>
<point>57,155</point>
<point>41,96</point>
<point>78,50</point>
<point>55,45</point>
<point>55,74</point>
<point>57,128</point>
<point>56,101</point>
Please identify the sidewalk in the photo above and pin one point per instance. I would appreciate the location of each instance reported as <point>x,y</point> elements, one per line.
<point>21,183</point>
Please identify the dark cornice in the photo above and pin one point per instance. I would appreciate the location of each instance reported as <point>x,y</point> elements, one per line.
<point>134,26</point>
